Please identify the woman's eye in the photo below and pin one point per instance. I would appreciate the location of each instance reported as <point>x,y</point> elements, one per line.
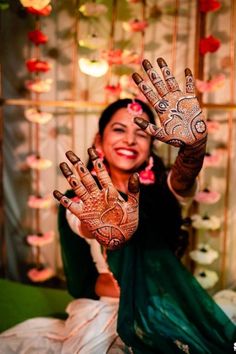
<point>119,130</point>
<point>142,134</point>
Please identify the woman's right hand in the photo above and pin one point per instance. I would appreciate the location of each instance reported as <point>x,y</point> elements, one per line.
<point>107,216</point>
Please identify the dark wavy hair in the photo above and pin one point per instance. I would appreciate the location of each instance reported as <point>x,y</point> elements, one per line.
<point>110,110</point>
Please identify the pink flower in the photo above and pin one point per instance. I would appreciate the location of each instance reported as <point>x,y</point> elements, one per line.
<point>112,56</point>
<point>210,85</point>
<point>41,239</point>
<point>207,197</point>
<point>147,177</point>
<point>113,90</point>
<point>38,85</point>
<point>38,163</point>
<point>209,44</point>
<point>36,65</point>
<point>134,108</point>
<point>37,202</point>
<point>212,126</point>
<point>135,25</point>
<point>40,275</point>
<point>212,160</point>
<point>36,4</point>
<point>36,116</point>
<point>37,37</point>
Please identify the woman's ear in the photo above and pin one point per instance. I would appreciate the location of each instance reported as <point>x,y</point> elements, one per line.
<point>98,144</point>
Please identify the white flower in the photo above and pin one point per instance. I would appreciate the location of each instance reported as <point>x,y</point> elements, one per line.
<point>205,222</point>
<point>204,254</point>
<point>207,278</point>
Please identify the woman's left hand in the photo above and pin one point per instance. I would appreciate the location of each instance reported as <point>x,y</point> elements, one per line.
<point>181,119</point>
<point>106,215</point>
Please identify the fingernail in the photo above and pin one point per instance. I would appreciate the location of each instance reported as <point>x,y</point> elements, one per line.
<point>58,195</point>
<point>161,62</point>
<point>93,154</point>
<point>142,123</point>
<point>72,157</point>
<point>137,78</point>
<point>188,72</point>
<point>134,183</point>
<point>146,64</point>
<point>65,169</point>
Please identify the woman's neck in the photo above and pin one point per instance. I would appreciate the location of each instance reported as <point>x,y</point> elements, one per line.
<point>120,180</point>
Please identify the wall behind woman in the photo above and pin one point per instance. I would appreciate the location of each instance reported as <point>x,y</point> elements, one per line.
<point>171,33</point>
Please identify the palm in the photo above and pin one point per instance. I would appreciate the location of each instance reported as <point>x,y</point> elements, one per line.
<point>107,216</point>
<point>180,116</point>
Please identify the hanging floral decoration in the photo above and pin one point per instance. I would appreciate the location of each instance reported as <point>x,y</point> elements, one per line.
<point>207,197</point>
<point>212,126</point>
<point>40,275</point>
<point>211,85</point>
<point>40,240</point>
<point>38,202</point>
<point>209,44</point>
<point>43,12</point>
<point>209,5</point>
<point>205,222</point>
<point>39,85</point>
<point>93,9</point>
<point>37,37</point>
<point>35,115</point>
<point>95,68</point>
<point>36,4</point>
<point>38,163</point>
<point>36,65</point>
<point>207,278</point>
<point>204,254</point>
<point>92,42</point>
<point>135,25</point>
<point>212,159</point>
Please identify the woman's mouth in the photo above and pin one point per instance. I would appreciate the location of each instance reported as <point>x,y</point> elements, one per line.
<point>128,153</point>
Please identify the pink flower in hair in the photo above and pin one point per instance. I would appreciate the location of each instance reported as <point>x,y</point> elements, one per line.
<point>135,109</point>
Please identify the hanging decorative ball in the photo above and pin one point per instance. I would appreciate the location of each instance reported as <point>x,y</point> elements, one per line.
<point>96,68</point>
<point>36,4</point>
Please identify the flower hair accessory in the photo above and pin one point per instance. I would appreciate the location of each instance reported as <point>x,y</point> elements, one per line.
<point>134,108</point>
<point>147,176</point>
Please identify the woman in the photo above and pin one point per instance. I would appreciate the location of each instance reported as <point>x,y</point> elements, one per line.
<point>162,307</point>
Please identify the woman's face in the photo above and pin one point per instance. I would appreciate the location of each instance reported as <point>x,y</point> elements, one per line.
<point>125,146</point>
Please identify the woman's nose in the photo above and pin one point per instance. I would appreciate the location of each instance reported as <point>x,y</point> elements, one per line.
<point>130,138</point>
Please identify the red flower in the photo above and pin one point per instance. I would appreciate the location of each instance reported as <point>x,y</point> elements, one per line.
<point>35,65</point>
<point>209,44</point>
<point>37,37</point>
<point>209,5</point>
<point>44,12</point>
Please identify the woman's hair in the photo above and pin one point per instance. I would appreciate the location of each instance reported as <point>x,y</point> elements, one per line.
<point>110,110</point>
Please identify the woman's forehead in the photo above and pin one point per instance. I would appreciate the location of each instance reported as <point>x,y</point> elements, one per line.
<point>123,116</point>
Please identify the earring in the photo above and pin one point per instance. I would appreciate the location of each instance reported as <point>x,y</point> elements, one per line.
<point>147,176</point>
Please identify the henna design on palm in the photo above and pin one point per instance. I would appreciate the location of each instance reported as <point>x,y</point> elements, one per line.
<point>107,216</point>
<point>181,118</point>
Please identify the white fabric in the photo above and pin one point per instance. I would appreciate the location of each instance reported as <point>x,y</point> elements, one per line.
<point>95,248</point>
<point>89,329</point>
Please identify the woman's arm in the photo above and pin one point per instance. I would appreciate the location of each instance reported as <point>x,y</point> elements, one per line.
<point>181,124</point>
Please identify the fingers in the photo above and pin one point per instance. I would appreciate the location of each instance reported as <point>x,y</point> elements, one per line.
<point>85,176</point>
<point>133,190</point>
<point>169,78</point>
<point>155,78</point>
<point>100,169</point>
<point>146,90</point>
<point>151,129</point>
<point>75,208</point>
<point>190,87</point>
<point>77,185</point>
